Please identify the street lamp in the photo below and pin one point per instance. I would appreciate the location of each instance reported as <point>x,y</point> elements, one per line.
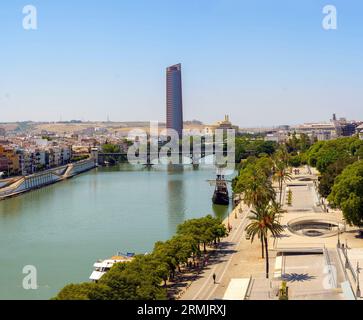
<point>239,209</point>
<point>346,255</point>
<point>358,288</point>
<point>338,244</point>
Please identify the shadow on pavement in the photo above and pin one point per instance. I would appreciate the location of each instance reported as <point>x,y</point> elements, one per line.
<point>297,277</point>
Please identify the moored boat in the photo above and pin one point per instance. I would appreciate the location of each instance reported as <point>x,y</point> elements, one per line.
<point>221,195</point>
<point>101,267</point>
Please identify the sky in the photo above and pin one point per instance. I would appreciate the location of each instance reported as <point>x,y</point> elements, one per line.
<point>263,62</point>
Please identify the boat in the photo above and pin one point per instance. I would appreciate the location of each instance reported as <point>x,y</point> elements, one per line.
<point>101,267</point>
<point>221,195</point>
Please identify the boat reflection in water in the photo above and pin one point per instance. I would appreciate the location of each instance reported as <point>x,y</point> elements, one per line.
<point>220,211</point>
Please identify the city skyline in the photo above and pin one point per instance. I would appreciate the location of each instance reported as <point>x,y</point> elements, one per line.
<point>264,68</point>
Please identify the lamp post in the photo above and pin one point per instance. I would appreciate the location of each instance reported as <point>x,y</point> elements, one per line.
<point>358,287</point>
<point>229,224</point>
<point>346,255</point>
<point>239,209</point>
<point>338,244</point>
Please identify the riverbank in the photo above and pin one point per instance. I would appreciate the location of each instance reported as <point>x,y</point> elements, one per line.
<point>68,226</point>
<point>39,180</point>
<point>211,260</point>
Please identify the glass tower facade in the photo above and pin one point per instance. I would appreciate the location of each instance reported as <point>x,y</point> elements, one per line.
<point>174,99</point>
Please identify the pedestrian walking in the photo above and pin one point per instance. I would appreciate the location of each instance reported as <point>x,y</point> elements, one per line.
<point>214,278</point>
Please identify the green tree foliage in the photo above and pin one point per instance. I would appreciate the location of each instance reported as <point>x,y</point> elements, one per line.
<point>280,168</point>
<point>297,144</point>
<point>246,147</point>
<point>347,193</point>
<point>81,291</point>
<point>203,231</point>
<point>136,280</point>
<point>264,221</point>
<point>327,179</point>
<point>172,253</point>
<point>296,161</point>
<point>254,181</point>
<point>80,158</point>
<point>324,153</point>
<point>266,147</point>
<point>144,278</point>
<point>331,158</point>
<point>110,148</point>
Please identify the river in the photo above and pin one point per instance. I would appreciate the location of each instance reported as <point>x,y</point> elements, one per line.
<point>64,228</point>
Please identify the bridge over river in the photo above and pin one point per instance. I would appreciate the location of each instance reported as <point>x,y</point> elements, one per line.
<point>154,158</point>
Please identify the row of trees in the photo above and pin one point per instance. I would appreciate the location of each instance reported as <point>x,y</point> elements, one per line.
<point>295,147</point>
<point>341,181</point>
<point>341,176</point>
<point>324,153</point>
<point>145,277</point>
<point>255,183</point>
<point>339,163</point>
<point>347,193</point>
<point>246,147</point>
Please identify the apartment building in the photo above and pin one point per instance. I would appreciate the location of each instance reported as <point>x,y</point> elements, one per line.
<point>9,160</point>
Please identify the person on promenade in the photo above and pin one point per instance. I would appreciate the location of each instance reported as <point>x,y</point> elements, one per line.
<point>214,278</point>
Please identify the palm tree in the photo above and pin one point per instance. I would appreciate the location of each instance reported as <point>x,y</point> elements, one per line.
<point>281,174</point>
<point>263,222</point>
<point>258,191</point>
<point>255,228</point>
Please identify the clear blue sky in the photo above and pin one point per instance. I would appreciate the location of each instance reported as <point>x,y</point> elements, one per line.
<point>263,62</point>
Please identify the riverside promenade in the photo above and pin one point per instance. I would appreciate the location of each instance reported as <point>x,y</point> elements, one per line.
<point>236,258</point>
<point>310,264</point>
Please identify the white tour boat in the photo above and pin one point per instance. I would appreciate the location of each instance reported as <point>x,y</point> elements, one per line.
<point>101,267</point>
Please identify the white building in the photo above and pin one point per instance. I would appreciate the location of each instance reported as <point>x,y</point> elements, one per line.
<point>278,136</point>
<point>322,131</point>
<point>65,155</point>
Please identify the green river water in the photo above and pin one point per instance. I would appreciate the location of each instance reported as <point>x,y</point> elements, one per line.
<point>64,228</point>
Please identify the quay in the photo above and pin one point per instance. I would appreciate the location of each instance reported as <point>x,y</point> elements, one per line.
<point>18,185</point>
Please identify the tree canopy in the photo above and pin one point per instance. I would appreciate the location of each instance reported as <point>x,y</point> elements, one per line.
<point>144,278</point>
<point>110,148</point>
<point>246,147</point>
<point>347,193</point>
<point>324,153</point>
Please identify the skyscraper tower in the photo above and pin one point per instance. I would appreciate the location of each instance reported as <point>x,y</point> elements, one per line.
<point>174,99</point>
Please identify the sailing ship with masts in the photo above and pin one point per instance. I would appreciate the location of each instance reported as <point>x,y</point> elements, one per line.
<point>221,194</point>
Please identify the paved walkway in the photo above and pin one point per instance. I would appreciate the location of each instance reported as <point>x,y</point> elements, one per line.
<point>203,288</point>
<point>238,258</point>
<point>309,275</point>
